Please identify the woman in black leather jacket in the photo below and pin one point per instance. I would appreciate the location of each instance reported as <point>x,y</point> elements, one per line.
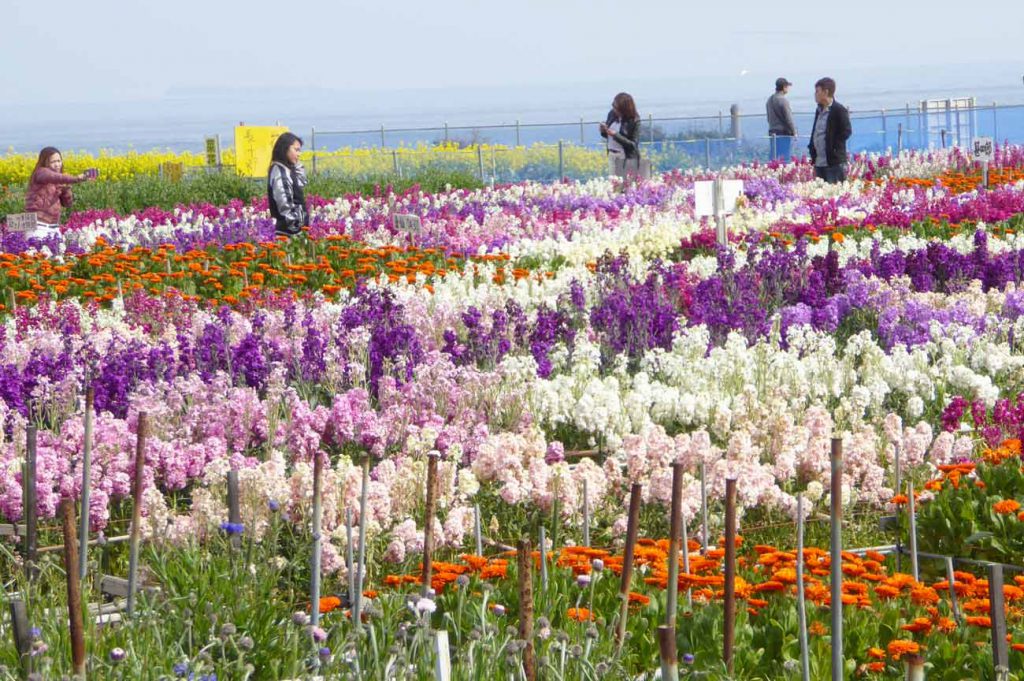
<point>622,127</point>
<point>286,180</point>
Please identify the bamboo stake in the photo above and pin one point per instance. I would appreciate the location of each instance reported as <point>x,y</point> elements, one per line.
<point>428,521</point>
<point>75,625</point>
<point>361,563</point>
<point>627,563</point>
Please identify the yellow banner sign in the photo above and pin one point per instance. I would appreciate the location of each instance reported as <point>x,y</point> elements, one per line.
<point>253,146</point>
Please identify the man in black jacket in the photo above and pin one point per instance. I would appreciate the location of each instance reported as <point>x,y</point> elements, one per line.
<point>829,133</point>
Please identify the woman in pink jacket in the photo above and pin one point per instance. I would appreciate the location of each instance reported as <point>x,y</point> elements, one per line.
<point>49,190</point>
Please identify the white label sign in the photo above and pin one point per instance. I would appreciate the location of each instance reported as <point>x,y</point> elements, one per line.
<point>704,196</point>
<point>21,222</point>
<point>983,149</point>
<point>408,223</point>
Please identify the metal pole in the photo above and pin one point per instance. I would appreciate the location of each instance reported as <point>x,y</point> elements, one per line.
<point>801,603</point>
<point>650,124</point>
<point>951,578</point>
<point>885,132</point>
<point>913,532</point>
<point>524,564</point>
<point>314,582</point>
<point>394,163</point>
<point>899,138</point>
<point>543,561</point>
<point>561,162</point>
<point>517,132</point>
<point>586,514</point>
<point>686,562</point>
<point>428,521</point>
<point>382,143</point>
<point>729,624</point>
<point>446,132</point>
<point>357,606</point>
<point>83,531</point>
<point>480,161</point>
<point>133,547</point>
<point>234,512</point>
<point>582,138</point>
<point>837,559</point>
<point>30,506</point>
<point>477,532</point>
<point>443,664</point>
<point>707,153</point>
<point>899,486</point>
<point>997,613</point>
<point>350,557</point>
<point>995,124</point>
<point>673,545</point>
<point>667,650</point>
<point>704,508</point>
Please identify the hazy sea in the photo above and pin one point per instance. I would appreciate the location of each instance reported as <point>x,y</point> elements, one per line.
<point>182,117</point>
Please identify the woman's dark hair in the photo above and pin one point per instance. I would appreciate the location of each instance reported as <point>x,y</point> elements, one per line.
<point>625,107</point>
<point>281,146</point>
<point>44,156</point>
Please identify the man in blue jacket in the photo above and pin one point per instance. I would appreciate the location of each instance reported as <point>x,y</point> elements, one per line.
<point>829,133</point>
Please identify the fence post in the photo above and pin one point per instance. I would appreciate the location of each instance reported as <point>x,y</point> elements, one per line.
<point>446,132</point>
<point>650,124</point>
<point>22,635</point>
<point>734,115</point>
<point>83,539</point>
<point>913,531</point>
<point>350,557</point>
<point>582,133</point>
<point>360,581</point>
<point>673,547</point>
<point>704,508</point>
<point>721,123</point>
<point>382,144</point>
<point>428,521</point>
<point>707,153</point>
<point>801,603</point>
<point>480,160</point>
<point>899,138</point>
<point>476,530</point>
<point>561,162</point>
<point>995,124</point>
<point>942,133</point>
<point>312,146</point>
<point>234,511</point>
<point>394,163</point>
<point>997,613</point>
<point>517,132</point>
<point>837,559</point>
<point>885,132</point>
<point>586,514</point>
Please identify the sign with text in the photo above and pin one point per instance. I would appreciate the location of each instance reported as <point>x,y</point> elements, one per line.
<point>982,149</point>
<point>704,196</point>
<point>213,150</point>
<point>253,147</point>
<point>21,222</point>
<point>408,223</point>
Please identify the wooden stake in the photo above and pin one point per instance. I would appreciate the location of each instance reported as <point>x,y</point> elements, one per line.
<point>83,533</point>
<point>74,589</point>
<point>673,550</point>
<point>837,559</point>
<point>729,626</point>
<point>525,568</point>
<point>136,533</point>
<point>314,580</point>
<point>627,562</point>
<point>428,521</point>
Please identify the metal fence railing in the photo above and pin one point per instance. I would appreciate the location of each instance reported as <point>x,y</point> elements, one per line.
<point>547,151</point>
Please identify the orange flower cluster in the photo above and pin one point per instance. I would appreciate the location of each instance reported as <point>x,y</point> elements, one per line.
<point>960,182</point>
<point>229,274</point>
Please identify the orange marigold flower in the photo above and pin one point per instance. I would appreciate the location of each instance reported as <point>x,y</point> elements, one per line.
<point>946,625</point>
<point>579,615</point>
<point>1006,506</point>
<point>901,647</point>
<point>639,599</point>
<point>770,585</point>
<point>876,653</point>
<point>885,592</point>
<point>920,625</point>
<point>899,499</point>
<point>980,621</point>
<point>875,667</point>
<point>329,603</point>
<point>1019,647</point>
<point>817,629</point>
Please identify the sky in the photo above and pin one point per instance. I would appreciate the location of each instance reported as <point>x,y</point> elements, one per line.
<point>60,52</point>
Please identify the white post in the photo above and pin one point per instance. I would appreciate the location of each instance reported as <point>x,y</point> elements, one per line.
<point>801,604</point>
